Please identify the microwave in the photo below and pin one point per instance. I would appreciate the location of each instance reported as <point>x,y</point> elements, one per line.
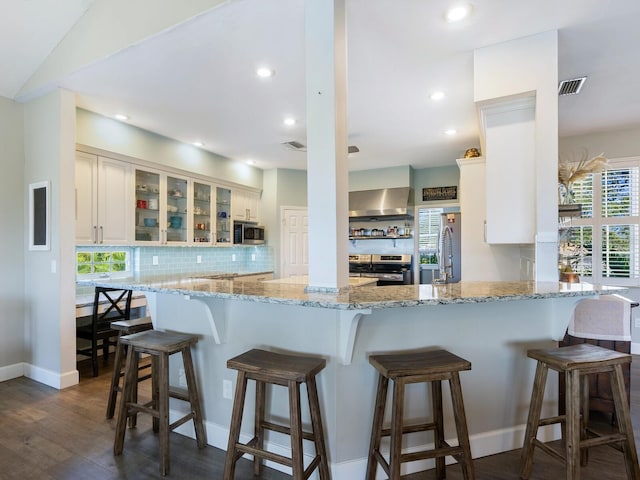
<point>247,233</point>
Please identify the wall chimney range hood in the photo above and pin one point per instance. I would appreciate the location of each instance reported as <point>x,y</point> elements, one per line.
<point>384,203</point>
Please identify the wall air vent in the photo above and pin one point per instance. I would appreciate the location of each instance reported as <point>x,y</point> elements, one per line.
<point>297,146</point>
<point>571,87</point>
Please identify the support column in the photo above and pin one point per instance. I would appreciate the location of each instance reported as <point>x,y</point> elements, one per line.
<point>327,172</point>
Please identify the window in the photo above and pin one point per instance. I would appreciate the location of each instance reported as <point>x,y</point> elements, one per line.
<point>100,262</point>
<point>428,233</point>
<point>605,240</point>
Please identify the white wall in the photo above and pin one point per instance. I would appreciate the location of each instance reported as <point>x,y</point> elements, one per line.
<point>12,218</point>
<point>49,154</point>
<point>111,135</point>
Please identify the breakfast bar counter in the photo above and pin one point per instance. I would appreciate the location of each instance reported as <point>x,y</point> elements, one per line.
<point>491,324</point>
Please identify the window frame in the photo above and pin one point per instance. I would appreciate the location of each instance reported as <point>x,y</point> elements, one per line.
<point>597,222</point>
<point>127,272</point>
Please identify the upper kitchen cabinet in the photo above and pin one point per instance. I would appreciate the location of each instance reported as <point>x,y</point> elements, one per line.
<point>103,199</point>
<point>202,211</point>
<point>161,208</point>
<point>245,205</point>
<point>223,216</point>
<point>510,131</point>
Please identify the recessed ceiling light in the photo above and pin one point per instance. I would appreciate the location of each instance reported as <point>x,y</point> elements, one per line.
<point>289,121</point>
<point>121,116</point>
<point>458,12</point>
<point>265,72</point>
<point>251,161</point>
<point>451,131</point>
<point>198,144</point>
<point>437,96</point>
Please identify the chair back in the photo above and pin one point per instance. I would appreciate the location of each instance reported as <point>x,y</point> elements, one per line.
<point>110,305</point>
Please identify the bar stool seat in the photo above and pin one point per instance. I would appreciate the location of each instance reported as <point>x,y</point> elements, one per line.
<point>159,345</point>
<point>289,371</point>
<point>417,367</point>
<point>576,362</point>
<point>126,327</point>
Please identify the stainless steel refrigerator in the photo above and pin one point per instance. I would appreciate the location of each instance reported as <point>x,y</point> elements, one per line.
<point>449,247</point>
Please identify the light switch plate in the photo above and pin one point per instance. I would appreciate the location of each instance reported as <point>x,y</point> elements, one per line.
<point>154,260</point>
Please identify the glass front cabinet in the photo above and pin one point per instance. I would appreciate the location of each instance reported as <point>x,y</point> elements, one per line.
<point>161,208</point>
<point>201,211</point>
<point>224,235</point>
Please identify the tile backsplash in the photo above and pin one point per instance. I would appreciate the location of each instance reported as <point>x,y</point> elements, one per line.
<point>176,260</point>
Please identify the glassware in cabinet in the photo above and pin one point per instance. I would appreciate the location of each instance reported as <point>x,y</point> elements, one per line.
<point>176,220</point>
<point>147,220</point>
<point>202,213</point>
<point>223,215</point>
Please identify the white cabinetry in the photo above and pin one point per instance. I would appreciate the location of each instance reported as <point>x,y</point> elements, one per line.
<point>509,130</point>
<point>162,208</point>
<point>103,199</point>
<point>245,205</point>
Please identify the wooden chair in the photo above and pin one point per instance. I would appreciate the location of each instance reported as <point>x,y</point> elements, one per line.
<point>289,371</point>
<point>109,305</point>
<point>159,345</point>
<point>432,366</point>
<point>576,363</point>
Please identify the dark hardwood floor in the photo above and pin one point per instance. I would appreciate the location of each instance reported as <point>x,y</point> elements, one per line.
<point>49,434</point>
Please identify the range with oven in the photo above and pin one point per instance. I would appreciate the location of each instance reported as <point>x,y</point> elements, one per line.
<point>389,269</point>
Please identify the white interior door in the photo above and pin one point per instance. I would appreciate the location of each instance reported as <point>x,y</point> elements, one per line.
<point>295,241</point>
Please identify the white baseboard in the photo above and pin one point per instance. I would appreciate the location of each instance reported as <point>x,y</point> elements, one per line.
<point>483,444</point>
<point>53,379</point>
<point>635,348</point>
<point>11,371</point>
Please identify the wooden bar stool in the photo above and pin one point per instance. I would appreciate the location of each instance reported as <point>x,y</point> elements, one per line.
<point>126,327</point>
<point>418,367</point>
<point>159,345</point>
<point>576,363</point>
<point>289,371</point>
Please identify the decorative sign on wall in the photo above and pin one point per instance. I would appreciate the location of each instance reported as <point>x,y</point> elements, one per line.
<point>440,193</point>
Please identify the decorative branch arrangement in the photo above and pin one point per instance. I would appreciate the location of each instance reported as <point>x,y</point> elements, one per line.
<point>571,170</point>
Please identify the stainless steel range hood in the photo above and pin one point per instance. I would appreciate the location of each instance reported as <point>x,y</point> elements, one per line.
<point>383,203</point>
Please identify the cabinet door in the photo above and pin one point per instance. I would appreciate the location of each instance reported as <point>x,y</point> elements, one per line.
<point>114,202</point>
<point>177,221</point>
<point>86,198</point>
<point>245,205</point>
<point>148,217</point>
<point>224,235</point>
<point>202,210</point>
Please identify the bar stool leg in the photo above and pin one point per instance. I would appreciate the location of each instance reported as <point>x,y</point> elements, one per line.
<point>572,441</point>
<point>438,433</point>
<point>296,430</point>
<point>127,385</point>
<point>115,379</point>
<point>236,423</point>
<point>535,407</point>
<point>376,429</point>
<point>624,422</point>
<point>163,409</point>
<point>461,426</point>
<point>258,428</point>
<point>397,414</point>
<point>318,431</point>
<point>584,423</point>
<point>194,398</point>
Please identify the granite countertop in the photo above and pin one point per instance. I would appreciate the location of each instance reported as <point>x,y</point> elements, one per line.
<point>304,280</point>
<point>357,298</point>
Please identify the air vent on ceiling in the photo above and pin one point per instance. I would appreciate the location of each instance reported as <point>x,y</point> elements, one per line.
<point>293,145</point>
<point>301,147</point>
<point>571,87</point>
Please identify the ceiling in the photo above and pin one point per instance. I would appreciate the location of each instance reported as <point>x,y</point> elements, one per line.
<point>197,81</point>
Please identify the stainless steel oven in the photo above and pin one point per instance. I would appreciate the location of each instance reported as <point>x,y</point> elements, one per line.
<point>388,269</point>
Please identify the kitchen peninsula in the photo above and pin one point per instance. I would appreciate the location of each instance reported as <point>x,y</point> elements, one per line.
<point>492,324</point>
